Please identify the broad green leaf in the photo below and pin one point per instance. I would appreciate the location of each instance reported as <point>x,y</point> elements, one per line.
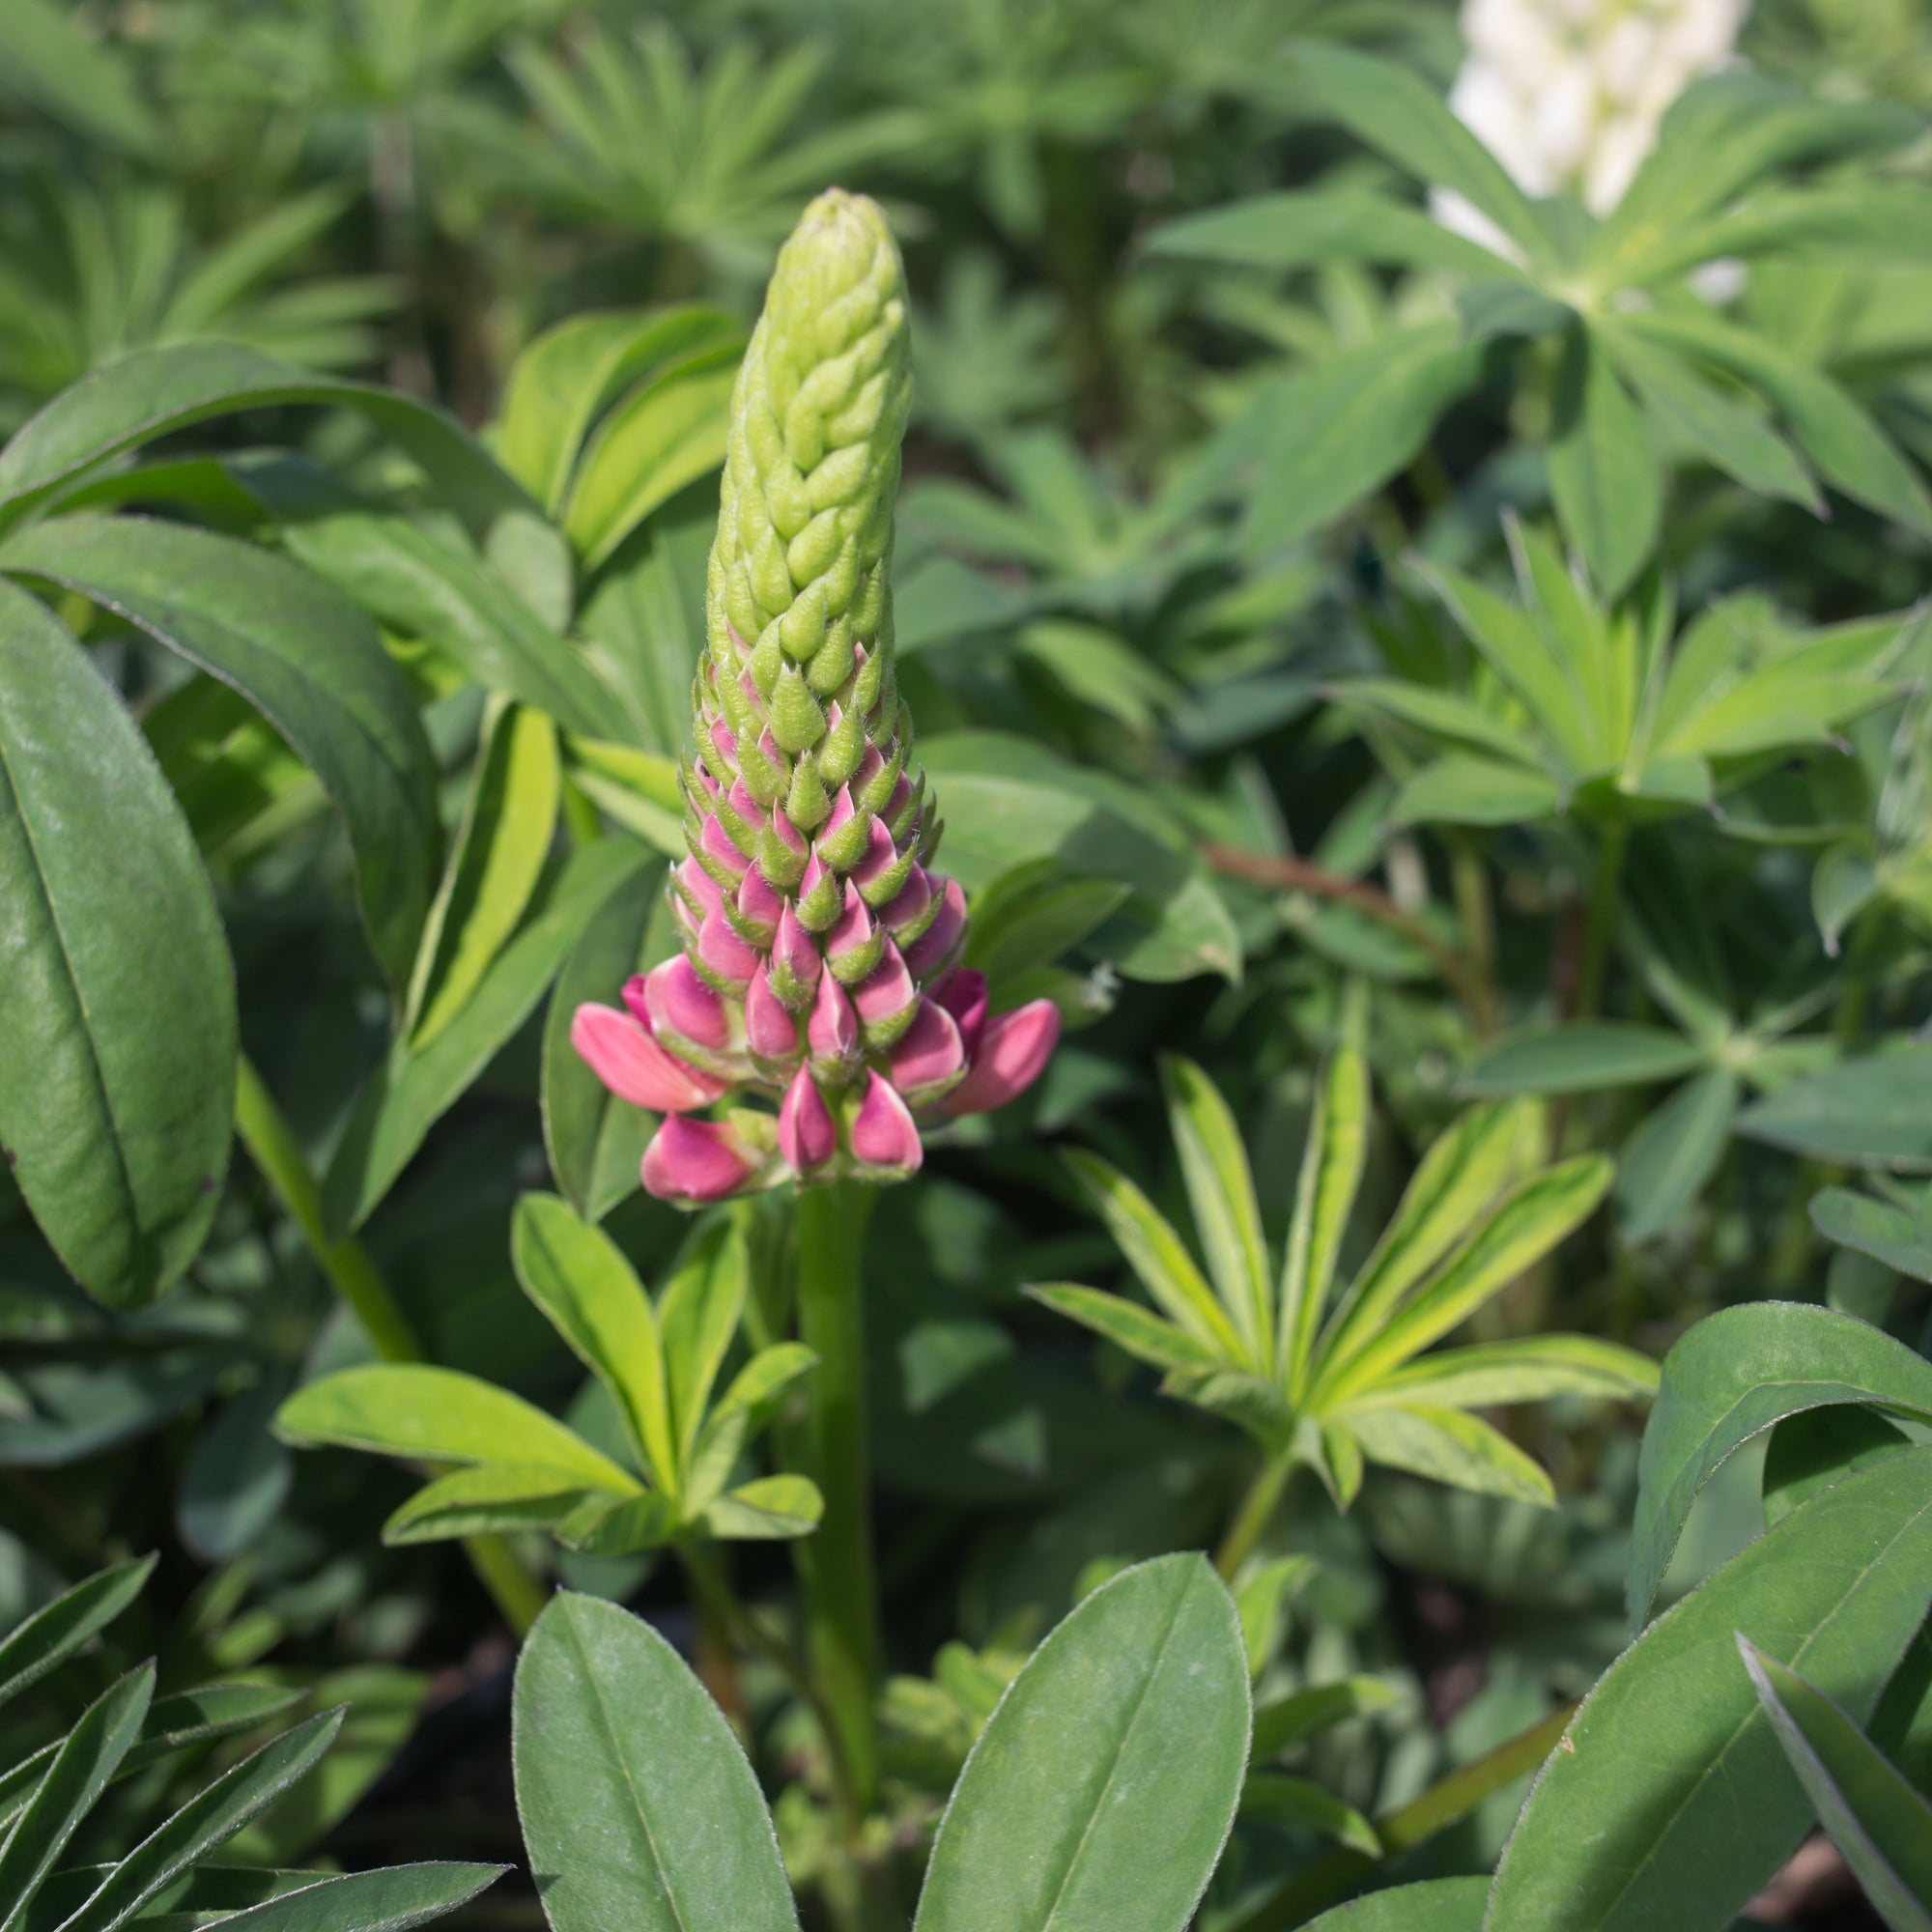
<point>508,823</point>
<point>411,1092</point>
<point>51,60</point>
<point>1817,1447</point>
<point>1876,1819</point>
<point>1101,1790</point>
<point>562,380</point>
<point>1531,1370</point>
<point>1138,1331</point>
<point>1673,1152</point>
<point>1475,791</point>
<point>668,432</point>
<point>1603,472</point>
<point>580,1280</point>
<point>1295,1801</point>
<point>1635,1820</point>
<point>1342,428</point>
<point>1436,1905</point>
<point>1034,914</point>
<point>1447,1446</point>
<point>390,1900</point>
<point>596,1141</point>
<point>1155,1253</point>
<point>773,1506</point>
<point>1530,1220</point>
<point>299,651</point>
<point>1331,1173</point>
<point>1585,1057</point>
<point>1738,1372</point>
<point>1221,1192</point>
<point>1874,1228</point>
<point>489,1498</point>
<point>637,1806</point>
<point>1400,114</point>
<point>57,1629</point>
<point>75,1778</point>
<point>1870,1111</point>
<point>413,1410</point>
<point>153,393</point>
<point>116,1031</point>
<point>1732,435</point>
<point>1301,1715</point>
<point>1464,1171</point>
<point>209,1819</point>
<point>697,1315</point>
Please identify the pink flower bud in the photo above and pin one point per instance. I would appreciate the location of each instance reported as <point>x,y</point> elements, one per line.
<point>880,853</point>
<point>886,991</point>
<point>833,1030</point>
<point>843,811</point>
<point>759,905</point>
<point>771,1030</point>
<point>964,997</point>
<point>745,805</point>
<point>718,845</point>
<point>929,952</point>
<point>694,1161</point>
<point>723,953</point>
<point>929,1055</point>
<point>682,1006</point>
<point>884,1138</point>
<point>852,931</point>
<point>794,949</point>
<point>910,900</point>
<point>1012,1054</point>
<point>726,739</point>
<point>695,884</point>
<point>635,1066</point>
<point>808,1135</point>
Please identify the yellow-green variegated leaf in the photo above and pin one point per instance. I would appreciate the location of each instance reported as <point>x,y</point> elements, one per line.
<point>697,1316</point>
<point>1504,1372</point>
<point>755,1392</point>
<point>1337,1458</point>
<point>1458,1177</point>
<point>489,1498</point>
<point>1525,1224</point>
<point>1450,1447</point>
<point>1221,1192</point>
<point>1139,1330</point>
<point>774,1506</point>
<point>601,1526</point>
<point>1332,1171</point>
<point>1155,1253</point>
<point>1252,1401</point>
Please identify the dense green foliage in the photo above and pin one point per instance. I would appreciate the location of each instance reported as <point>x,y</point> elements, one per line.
<point>1427,676</point>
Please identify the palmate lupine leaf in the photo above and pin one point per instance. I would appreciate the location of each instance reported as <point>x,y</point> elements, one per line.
<point>520,1468</point>
<point>1341,1381</point>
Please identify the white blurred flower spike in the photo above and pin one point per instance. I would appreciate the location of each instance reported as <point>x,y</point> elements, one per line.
<point>1568,95</point>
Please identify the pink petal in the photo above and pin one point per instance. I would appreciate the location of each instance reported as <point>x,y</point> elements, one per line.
<point>832,1031</point>
<point>1013,1052</point>
<point>853,927</point>
<point>722,949</point>
<point>681,1005</point>
<point>843,811</point>
<point>745,805</point>
<point>887,990</point>
<point>910,900</point>
<point>726,739</point>
<point>697,1161</point>
<point>964,997</point>
<point>771,1030</point>
<point>940,940</point>
<point>794,949</point>
<point>929,1055</point>
<point>787,832</point>
<point>697,884</point>
<point>808,1135</point>
<point>870,765</point>
<point>880,852</point>
<point>716,841</point>
<point>635,1066</point>
<point>883,1135</point>
<point>759,903</point>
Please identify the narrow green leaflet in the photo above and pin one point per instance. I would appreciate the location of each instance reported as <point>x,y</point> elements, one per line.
<point>57,1629</point>
<point>1674,1150</point>
<point>1876,1819</point>
<point>1874,1228</point>
<point>117,1029</point>
<point>1870,1111</point>
<point>637,1806</point>
<point>390,1900</point>
<point>1447,1446</point>
<point>1438,1905</point>
<point>489,1498</point>
<point>1102,1789</point>
<point>1221,1190</point>
<point>412,1409</point>
<point>1305,1714</point>
<point>300,652</point>
<point>1736,1373</point>
<point>1141,1332</point>
<point>1331,1172</point>
<point>411,1092</point>
<point>1292,230</point>
<point>1602,473</point>
<point>50,59</point>
<point>1298,1801</point>
<point>1585,1056</point>
<point>502,848</point>
<point>1634,1824</point>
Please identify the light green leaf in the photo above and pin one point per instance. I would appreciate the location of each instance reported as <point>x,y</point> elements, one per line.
<point>1221,1192</point>
<point>1736,1373</point>
<point>49,58</point>
<point>414,1410</point>
<point>1301,1715</point>
<point>1876,1819</point>
<point>1436,1905</point>
<point>699,1315</point>
<point>1102,1789</point>
<point>1870,1111</point>
<point>1874,1228</point>
<point>1634,1821</point>
<point>489,1498</point>
<point>773,1506</point>
<point>117,1028</point>
<point>1261,1602</point>
<point>1475,791</point>
<point>637,1806</point>
<point>57,1629</point>
<point>1293,230</point>
<point>1673,1152</point>
<point>1603,472</point>
<point>1532,1370</point>
<point>389,1900</point>
<point>1585,1057</point>
<point>1295,1801</point>
<point>1138,1331</point>
<point>1447,1446</point>
<point>1331,1173</point>
<point>580,1280</point>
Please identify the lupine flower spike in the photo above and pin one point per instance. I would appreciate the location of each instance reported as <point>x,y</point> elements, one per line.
<point>821,953</point>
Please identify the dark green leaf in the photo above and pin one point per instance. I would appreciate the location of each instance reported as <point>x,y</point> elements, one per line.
<point>1603,472</point>
<point>57,1629</point>
<point>1674,1150</point>
<point>1585,1056</point>
<point>1871,1110</point>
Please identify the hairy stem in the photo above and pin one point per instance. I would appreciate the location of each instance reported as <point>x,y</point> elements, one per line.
<point>262,1128</point>
<point>1256,1512</point>
<point>835,1561</point>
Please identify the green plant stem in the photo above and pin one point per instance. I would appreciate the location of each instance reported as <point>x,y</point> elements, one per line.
<point>835,1561</point>
<point>262,1128</point>
<point>1477,912</point>
<point>1445,1803</point>
<point>1605,889</point>
<point>1256,1512</point>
